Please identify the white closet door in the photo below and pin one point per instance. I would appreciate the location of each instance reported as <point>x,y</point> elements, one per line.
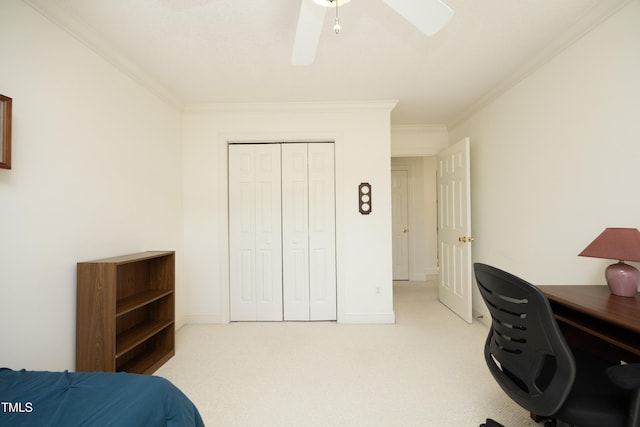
<point>255,245</point>
<point>295,232</point>
<point>322,232</point>
<point>308,234</point>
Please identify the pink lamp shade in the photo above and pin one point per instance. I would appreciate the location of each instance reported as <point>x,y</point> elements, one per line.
<point>622,244</point>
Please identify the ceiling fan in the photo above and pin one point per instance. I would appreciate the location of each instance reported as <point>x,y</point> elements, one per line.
<point>429,16</point>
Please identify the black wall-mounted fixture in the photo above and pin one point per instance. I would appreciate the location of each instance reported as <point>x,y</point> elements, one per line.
<point>364,198</point>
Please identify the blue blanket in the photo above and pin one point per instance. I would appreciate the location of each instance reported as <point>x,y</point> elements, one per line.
<point>30,398</point>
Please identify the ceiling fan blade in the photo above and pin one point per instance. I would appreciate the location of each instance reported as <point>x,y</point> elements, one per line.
<point>429,16</point>
<point>308,32</point>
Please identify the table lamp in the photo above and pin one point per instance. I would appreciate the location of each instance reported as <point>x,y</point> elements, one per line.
<point>622,244</point>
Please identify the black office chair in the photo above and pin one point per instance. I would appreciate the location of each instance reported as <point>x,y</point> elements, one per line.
<point>491,423</point>
<point>529,358</point>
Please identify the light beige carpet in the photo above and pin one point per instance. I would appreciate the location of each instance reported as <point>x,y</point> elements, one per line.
<point>426,370</point>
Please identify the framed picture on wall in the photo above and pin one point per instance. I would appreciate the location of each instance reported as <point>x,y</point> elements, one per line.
<point>5,132</point>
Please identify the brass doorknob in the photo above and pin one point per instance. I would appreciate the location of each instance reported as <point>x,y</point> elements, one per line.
<point>404,230</point>
<point>465,239</point>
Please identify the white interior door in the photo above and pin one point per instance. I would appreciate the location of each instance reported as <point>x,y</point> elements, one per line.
<point>400,223</point>
<point>308,234</point>
<point>454,229</point>
<point>255,233</point>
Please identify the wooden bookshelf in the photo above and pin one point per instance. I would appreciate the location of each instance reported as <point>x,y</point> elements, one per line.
<point>125,313</point>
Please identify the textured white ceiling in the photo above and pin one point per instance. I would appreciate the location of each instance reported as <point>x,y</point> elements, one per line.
<point>217,51</point>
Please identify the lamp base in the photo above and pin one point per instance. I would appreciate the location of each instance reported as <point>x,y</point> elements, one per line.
<point>622,279</point>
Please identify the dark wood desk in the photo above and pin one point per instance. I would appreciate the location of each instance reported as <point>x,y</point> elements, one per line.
<point>594,320</point>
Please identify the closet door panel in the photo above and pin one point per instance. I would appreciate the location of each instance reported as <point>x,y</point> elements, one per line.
<point>241,233</point>
<point>295,232</point>
<point>255,252</point>
<point>322,234</point>
<point>268,232</point>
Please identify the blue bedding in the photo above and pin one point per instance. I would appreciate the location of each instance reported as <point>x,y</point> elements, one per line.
<point>29,398</point>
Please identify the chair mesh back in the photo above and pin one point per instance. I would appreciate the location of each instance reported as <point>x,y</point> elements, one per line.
<point>525,350</point>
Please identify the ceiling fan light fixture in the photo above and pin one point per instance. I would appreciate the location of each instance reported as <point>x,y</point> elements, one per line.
<point>331,3</point>
<point>428,16</point>
<point>337,27</point>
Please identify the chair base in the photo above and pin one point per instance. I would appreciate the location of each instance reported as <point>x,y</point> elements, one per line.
<point>491,423</point>
<point>551,423</point>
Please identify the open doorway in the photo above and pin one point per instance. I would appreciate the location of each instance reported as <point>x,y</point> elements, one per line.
<point>414,217</point>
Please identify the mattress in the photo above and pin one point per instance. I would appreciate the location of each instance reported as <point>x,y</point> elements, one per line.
<point>31,398</point>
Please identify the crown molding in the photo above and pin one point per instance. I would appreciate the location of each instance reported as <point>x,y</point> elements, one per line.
<point>418,128</point>
<point>88,37</point>
<point>289,107</point>
<point>418,140</point>
<point>589,21</point>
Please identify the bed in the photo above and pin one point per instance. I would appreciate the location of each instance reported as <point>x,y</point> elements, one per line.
<point>30,398</point>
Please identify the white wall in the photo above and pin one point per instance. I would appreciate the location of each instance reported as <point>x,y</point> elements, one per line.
<point>362,154</point>
<point>97,172</point>
<point>430,197</point>
<point>418,140</point>
<point>555,160</point>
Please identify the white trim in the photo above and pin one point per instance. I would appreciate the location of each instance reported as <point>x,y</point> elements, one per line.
<point>204,318</point>
<point>432,273</point>
<point>368,318</point>
<point>592,19</point>
<point>418,128</point>
<point>292,107</point>
<point>180,322</point>
<point>88,37</point>
<point>223,238</point>
<point>223,140</point>
<point>418,140</point>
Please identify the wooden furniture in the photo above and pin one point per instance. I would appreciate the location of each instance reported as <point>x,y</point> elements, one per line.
<point>125,313</point>
<point>5,132</point>
<point>594,320</point>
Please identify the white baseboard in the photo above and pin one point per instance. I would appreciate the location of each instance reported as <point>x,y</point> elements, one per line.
<point>355,318</point>
<point>368,318</point>
<point>205,318</point>
<point>429,274</point>
<point>433,276</point>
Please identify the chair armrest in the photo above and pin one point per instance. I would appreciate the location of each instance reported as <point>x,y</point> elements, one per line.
<point>625,376</point>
